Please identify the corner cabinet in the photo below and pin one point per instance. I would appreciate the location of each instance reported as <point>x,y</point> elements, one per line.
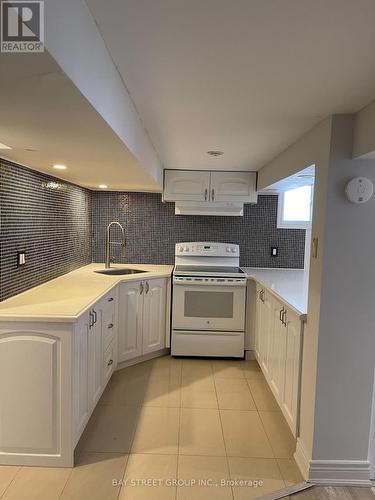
<point>206,186</point>
<point>278,350</point>
<point>143,317</point>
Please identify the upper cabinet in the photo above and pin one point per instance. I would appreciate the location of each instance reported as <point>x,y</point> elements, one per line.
<point>205,186</point>
<point>187,185</point>
<point>233,186</point>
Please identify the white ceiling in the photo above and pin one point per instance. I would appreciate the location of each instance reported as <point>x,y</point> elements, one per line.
<point>247,77</point>
<point>305,177</point>
<point>46,120</point>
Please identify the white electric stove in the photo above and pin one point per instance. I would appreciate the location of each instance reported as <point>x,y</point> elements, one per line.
<point>209,297</point>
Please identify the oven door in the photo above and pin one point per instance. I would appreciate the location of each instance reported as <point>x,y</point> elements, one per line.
<point>201,306</point>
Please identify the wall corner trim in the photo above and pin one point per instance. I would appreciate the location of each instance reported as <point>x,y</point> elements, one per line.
<point>332,472</point>
<point>302,459</point>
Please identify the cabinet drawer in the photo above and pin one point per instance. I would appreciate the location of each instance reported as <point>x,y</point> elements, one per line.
<point>109,323</point>
<point>109,362</point>
<point>108,333</point>
<point>109,306</point>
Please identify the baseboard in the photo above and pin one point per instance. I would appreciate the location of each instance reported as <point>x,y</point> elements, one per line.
<point>302,459</point>
<point>340,472</point>
<point>250,355</point>
<point>332,472</point>
<point>140,359</point>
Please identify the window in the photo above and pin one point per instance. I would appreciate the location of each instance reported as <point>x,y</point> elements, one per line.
<point>295,208</point>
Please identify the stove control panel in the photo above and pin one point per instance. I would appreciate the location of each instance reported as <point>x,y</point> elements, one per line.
<point>194,280</point>
<point>208,249</point>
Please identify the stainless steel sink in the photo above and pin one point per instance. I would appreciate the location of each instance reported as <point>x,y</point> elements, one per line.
<point>115,271</point>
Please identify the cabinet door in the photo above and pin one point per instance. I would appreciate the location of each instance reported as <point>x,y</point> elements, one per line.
<point>266,333</point>
<point>130,306</point>
<point>154,315</point>
<point>258,323</point>
<point>35,394</point>
<point>292,370</point>
<point>189,185</point>
<point>278,353</point>
<point>81,409</point>
<point>95,357</point>
<point>233,186</point>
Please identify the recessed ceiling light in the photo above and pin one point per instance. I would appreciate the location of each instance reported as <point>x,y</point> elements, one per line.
<point>103,186</point>
<point>59,167</point>
<point>4,146</point>
<point>215,153</point>
<point>306,176</point>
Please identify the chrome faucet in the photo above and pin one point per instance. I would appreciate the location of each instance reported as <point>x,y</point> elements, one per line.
<point>108,242</point>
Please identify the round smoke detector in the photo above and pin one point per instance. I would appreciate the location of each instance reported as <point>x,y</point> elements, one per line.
<point>359,190</point>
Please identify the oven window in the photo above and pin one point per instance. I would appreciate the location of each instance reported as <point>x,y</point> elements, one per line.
<point>208,304</point>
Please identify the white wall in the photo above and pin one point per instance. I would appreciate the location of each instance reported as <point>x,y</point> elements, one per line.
<point>345,367</point>
<point>73,39</point>
<point>308,150</point>
<point>339,338</point>
<point>364,136</point>
<point>312,148</point>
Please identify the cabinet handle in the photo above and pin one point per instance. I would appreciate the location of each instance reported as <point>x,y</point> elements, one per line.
<point>205,194</point>
<point>141,288</point>
<point>110,325</point>
<point>95,316</point>
<point>110,299</point>
<point>281,314</point>
<point>284,318</point>
<point>110,362</point>
<point>90,320</point>
<point>147,287</point>
<point>213,194</point>
<point>262,296</point>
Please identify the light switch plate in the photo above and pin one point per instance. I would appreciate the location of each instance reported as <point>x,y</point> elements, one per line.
<point>274,251</point>
<point>21,258</point>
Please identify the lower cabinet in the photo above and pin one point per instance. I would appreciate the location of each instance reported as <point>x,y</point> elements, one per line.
<point>142,317</point>
<point>35,394</point>
<point>95,358</point>
<point>278,343</point>
<point>52,374</point>
<point>290,399</point>
<point>130,320</point>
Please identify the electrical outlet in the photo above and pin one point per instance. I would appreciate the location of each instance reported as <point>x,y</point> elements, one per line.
<point>274,251</point>
<point>21,259</point>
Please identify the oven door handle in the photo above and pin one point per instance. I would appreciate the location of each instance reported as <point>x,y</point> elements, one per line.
<point>241,283</point>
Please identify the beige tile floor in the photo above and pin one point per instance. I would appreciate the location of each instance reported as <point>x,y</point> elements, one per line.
<point>165,424</point>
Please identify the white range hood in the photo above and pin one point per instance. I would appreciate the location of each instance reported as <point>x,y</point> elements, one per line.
<point>224,208</point>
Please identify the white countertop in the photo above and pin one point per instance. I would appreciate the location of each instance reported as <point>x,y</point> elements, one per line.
<point>67,297</point>
<point>290,285</point>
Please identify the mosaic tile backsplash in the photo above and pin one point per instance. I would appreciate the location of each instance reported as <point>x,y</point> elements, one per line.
<point>152,230</point>
<point>48,219</point>
<point>61,227</point>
